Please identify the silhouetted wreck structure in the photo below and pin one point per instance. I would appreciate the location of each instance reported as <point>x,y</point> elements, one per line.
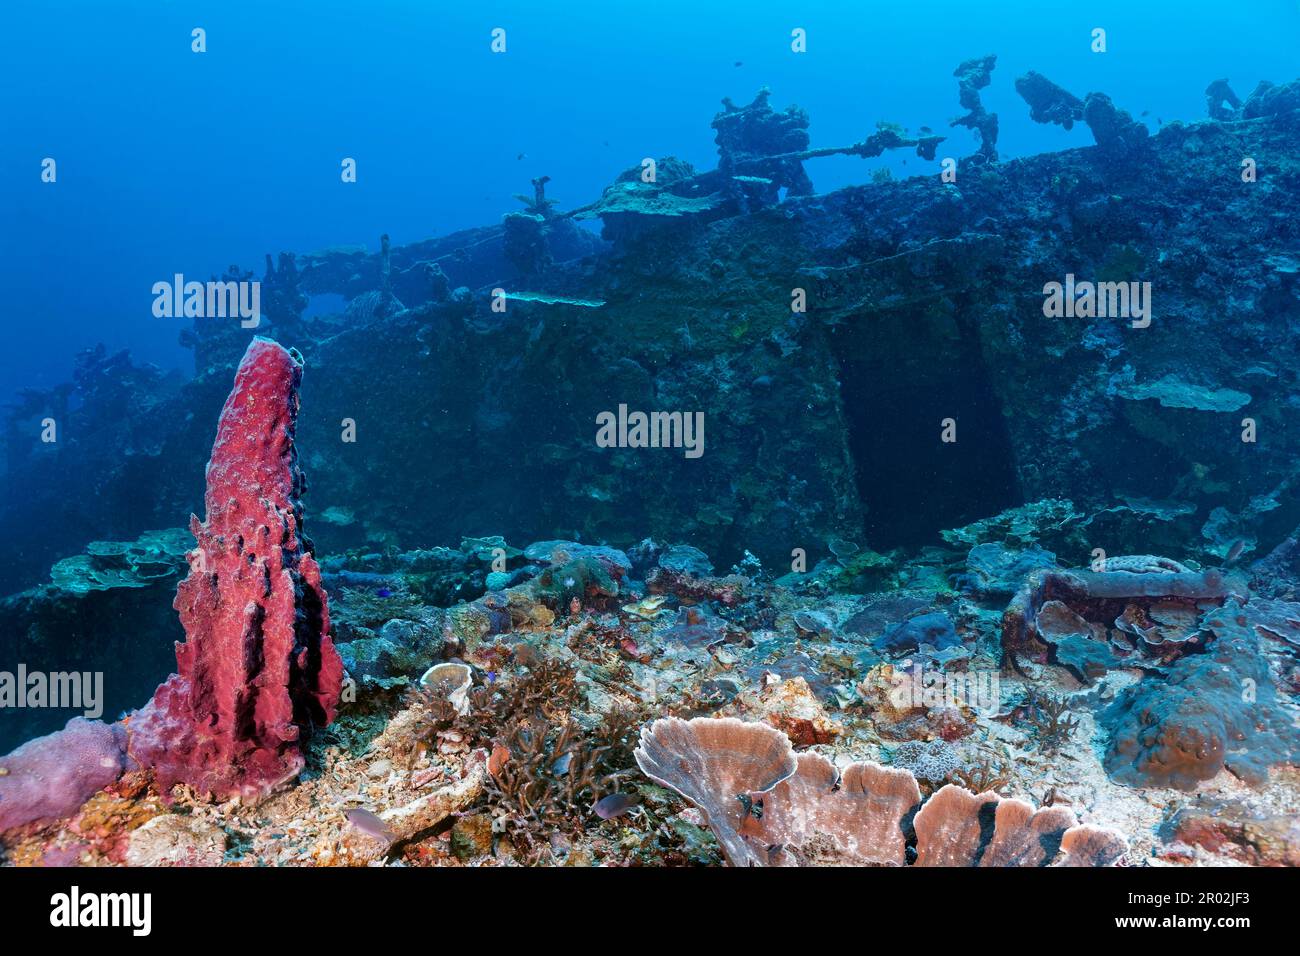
<point>924,302</point>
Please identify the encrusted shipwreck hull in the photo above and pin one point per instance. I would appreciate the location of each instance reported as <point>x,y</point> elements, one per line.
<point>258,669</point>
<point>925,301</point>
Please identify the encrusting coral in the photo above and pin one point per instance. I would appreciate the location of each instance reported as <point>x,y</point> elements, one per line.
<point>973,76</point>
<point>1144,577</point>
<point>51,776</point>
<point>1216,710</point>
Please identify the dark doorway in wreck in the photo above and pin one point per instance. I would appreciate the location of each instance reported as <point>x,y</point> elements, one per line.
<point>902,372</point>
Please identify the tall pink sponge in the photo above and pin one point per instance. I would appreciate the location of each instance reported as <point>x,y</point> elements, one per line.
<point>50,777</point>
<point>257,670</point>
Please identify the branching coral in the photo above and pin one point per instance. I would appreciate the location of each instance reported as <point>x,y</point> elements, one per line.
<point>545,777</point>
<point>544,693</point>
<point>990,773</point>
<point>545,769</point>
<point>1051,720</point>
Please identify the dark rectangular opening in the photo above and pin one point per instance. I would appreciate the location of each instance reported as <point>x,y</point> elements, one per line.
<point>902,373</point>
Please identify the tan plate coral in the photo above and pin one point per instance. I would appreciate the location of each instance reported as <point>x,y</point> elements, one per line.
<point>717,764</point>
<point>768,808</point>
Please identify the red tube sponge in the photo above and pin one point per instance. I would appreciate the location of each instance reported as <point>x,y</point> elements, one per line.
<point>257,670</point>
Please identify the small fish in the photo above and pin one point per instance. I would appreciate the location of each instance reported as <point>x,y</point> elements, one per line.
<point>753,808</point>
<point>497,760</point>
<point>369,824</point>
<point>1234,552</point>
<point>4,771</point>
<point>522,156</point>
<point>383,592</point>
<point>738,63</point>
<point>561,766</point>
<point>615,805</point>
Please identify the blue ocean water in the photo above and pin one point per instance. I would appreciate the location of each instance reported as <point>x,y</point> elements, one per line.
<point>171,161</point>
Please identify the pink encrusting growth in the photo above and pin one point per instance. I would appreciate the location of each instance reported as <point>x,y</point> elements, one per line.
<point>257,670</point>
<point>51,776</point>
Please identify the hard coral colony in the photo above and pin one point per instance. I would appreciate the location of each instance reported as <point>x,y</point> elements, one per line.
<point>1041,660</point>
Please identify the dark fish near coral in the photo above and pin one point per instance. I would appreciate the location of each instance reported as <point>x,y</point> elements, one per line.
<point>615,805</point>
<point>1234,552</point>
<point>383,592</point>
<point>369,824</point>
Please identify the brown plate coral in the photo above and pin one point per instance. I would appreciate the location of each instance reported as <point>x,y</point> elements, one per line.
<point>768,808</point>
